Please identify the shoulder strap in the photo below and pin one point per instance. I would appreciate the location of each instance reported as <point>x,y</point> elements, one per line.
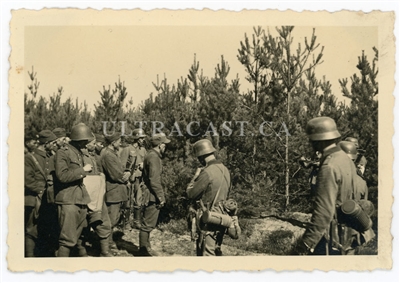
<point>38,165</point>
<point>216,196</point>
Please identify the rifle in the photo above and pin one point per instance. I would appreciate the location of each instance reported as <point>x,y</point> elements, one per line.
<point>127,210</point>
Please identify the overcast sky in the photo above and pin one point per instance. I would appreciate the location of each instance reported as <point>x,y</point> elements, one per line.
<point>83,59</point>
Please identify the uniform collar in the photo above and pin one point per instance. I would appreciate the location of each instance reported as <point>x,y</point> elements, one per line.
<point>40,152</point>
<point>328,152</point>
<point>156,152</point>
<point>110,150</point>
<point>77,151</point>
<point>214,161</point>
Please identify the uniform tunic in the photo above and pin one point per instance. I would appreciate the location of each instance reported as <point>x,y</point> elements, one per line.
<point>336,179</point>
<point>116,189</point>
<point>35,185</point>
<point>214,179</point>
<point>71,195</point>
<point>152,169</point>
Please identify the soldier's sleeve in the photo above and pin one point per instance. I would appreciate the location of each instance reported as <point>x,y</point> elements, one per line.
<point>324,206</point>
<point>155,178</point>
<point>30,181</point>
<point>112,165</point>
<point>196,190</point>
<point>63,172</point>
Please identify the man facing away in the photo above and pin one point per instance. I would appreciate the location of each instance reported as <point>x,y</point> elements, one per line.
<point>335,185</point>
<point>210,184</point>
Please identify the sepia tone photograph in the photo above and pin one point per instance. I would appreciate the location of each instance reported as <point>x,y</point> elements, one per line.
<point>243,139</point>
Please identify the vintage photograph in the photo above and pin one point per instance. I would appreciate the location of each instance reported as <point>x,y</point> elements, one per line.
<point>192,140</point>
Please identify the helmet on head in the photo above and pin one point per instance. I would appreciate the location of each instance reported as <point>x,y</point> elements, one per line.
<point>81,132</point>
<point>349,148</point>
<point>203,147</point>
<point>353,140</point>
<point>138,133</point>
<point>321,129</point>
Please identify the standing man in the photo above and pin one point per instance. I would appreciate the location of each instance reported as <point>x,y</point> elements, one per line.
<point>71,195</point>
<point>152,168</point>
<point>211,185</point>
<point>362,162</point>
<point>61,135</point>
<point>351,150</point>
<point>335,181</point>
<point>116,179</point>
<point>37,169</point>
<point>98,217</point>
<point>99,146</point>
<point>133,156</point>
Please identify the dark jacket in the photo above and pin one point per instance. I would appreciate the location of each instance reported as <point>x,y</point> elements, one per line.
<point>335,182</point>
<point>205,187</point>
<point>68,184</point>
<point>35,180</point>
<point>116,189</point>
<point>152,169</point>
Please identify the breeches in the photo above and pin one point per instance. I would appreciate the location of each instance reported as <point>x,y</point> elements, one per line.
<point>114,212</point>
<point>150,217</point>
<point>72,220</point>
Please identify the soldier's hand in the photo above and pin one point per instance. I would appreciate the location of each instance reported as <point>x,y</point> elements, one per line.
<point>161,205</point>
<point>88,167</point>
<point>126,176</point>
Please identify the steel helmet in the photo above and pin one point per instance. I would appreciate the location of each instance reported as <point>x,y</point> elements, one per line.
<point>81,132</point>
<point>353,140</point>
<point>138,133</point>
<point>349,148</point>
<point>203,147</point>
<point>321,129</point>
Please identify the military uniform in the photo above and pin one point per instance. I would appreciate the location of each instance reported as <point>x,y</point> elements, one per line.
<point>71,197</point>
<point>336,179</point>
<point>116,189</point>
<point>215,176</point>
<point>38,166</point>
<point>152,169</point>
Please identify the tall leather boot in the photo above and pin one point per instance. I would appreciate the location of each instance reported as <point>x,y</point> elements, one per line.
<point>128,219</point>
<point>81,249</point>
<point>29,247</point>
<point>144,244</point>
<point>63,251</point>
<point>137,218</point>
<point>105,248</point>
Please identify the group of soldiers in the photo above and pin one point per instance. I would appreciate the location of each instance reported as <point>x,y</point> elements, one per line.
<point>64,200</point>
<point>88,183</point>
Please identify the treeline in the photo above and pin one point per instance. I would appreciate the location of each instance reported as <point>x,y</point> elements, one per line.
<point>286,93</point>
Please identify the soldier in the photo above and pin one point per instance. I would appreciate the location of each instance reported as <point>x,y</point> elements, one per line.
<point>116,179</point>
<point>155,198</point>
<point>37,169</point>
<point>61,135</point>
<point>30,143</point>
<point>351,150</point>
<point>335,180</point>
<point>98,219</point>
<point>99,146</point>
<point>210,184</point>
<point>71,195</point>
<point>362,161</point>
<point>133,156</point>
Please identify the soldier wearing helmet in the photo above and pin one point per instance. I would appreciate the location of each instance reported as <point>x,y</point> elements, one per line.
<point>71,195</point>
<point>335,182</point>
<point>210,184</point>
<point>154,197</point>
<point>362,162</point>
<point>362,190</point>
<point>133,156</point>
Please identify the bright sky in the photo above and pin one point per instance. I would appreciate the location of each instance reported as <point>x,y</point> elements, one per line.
<point>83,59</point>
